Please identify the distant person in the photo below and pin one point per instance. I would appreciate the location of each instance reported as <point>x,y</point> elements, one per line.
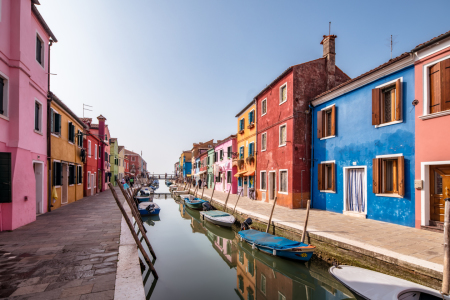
<point>131,181</point>
<point>199,183</point>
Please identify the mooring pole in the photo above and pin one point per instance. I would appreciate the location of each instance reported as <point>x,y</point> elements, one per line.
<point>271,213</point>
<point>131,227</point>
<point>239,195</point>
<point>132,206</point>
<point>446,275</point>
<point>214,188</point>
<point>226,201</point>
<point>306,221</point>
<point>203,190</point>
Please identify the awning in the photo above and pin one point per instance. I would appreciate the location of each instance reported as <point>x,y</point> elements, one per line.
<point>250,173</point>
<point>188,175</point>
<point>200,173</point>
<point>240,173</point>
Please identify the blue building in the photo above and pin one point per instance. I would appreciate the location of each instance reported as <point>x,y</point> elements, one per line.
<point>363,145</point>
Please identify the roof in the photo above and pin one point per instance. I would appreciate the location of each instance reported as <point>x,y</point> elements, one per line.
<point>67,109</point>
<point>113,139</point>
<point>86,120</point>
<point>390,62</point>
<point>120,148</point>
<point>233,136</point>
<point>94,126</point>
<point>128,152</point>
<point>42,21</point>
<point>248,105</point>
<point>432,41</point>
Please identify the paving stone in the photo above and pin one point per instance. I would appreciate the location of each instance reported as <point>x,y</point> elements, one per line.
<point>30,281</point>
<point>106,295</point>
<point>78,290</point>
<point>105,270</point>
<point>31,289</point>
<point>64,284</point>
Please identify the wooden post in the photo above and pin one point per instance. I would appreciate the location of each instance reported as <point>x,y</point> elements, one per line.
<point>131,227</point>
<point>214,188</point>
<point>203,190</point>
<point>271,213</point>
<point>239,195</point>
<point>226,201</point>
<point>446,275</point>
<point>184,186</point>
<point>306,221</point>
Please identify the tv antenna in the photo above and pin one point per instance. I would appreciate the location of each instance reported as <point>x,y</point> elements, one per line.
<point>329,28</point>
<point>84,108</point>
<point>391,42</point>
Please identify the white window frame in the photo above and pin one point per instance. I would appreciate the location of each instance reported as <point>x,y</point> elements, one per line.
<point>345,211</point>
<point>324,129</point>
<point>326,163</point>
<point>263,134</point>
<point>282,296</point>
<point>68,173</point>
<point>55,112</point>
<point>287,181</point>
<point>5,115</point>
<point>89,148</point>
<point>95,151</point>
<point>89,180</point>
<point>279,135</point>
<point>263,113</point>
<point>43,51</point>
<point>40,116</point>
<point>426,92</point>
<point>260,183</point>
<point>385,194</point>
<point>381,86</point>
<point>280,95</point>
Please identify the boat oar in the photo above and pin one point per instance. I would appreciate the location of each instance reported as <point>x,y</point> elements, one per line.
<point>271,213</point>
<point>306,221</point>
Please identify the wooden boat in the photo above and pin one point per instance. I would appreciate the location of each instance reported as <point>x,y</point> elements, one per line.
<point>276,245</point>
<point>194,203</point>
<point>148,209</point>
<point>144,198</point>
<point>147,191</point>
<point>374,285</point>
<point>218,217</point>
<point>168,183</point>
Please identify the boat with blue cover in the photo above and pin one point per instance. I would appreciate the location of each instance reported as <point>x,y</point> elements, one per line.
<point>148,209</point>
<point>195,203</point>
<point>169,183</point>
<point>277,246</point>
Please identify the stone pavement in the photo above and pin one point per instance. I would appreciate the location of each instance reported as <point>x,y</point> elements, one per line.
<point>393,243</point>
<point>69,253</point>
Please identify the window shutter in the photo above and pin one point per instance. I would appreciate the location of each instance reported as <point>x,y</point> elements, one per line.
<point>435,88</point>
<point>401,175</point>
<point>54,173</point>
<point>61,174</point>
<point>59,123</point>
<point>320,175</point>
<point>333,177</point>
<point>376,114</point>
<point>52,125</point>
<point>398,100</point>
<point>2,83</point>
<point>445,84</point>
<point>333,121</point>
<point>70,131</point>
<point>376,174</point>
<point>319,124</point>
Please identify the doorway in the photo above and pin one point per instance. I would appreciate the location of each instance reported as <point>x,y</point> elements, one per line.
<point>272,185</point>
<point>65,183</point>
<point>355,191</point>
<point>39,180</point>
<point>439,190</point>
<point>245,186</point>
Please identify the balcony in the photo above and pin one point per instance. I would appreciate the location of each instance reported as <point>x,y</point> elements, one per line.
<point>237,162</point>
<point>251,125</point>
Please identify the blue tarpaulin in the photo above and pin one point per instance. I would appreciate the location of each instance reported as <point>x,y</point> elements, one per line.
<point>270,241</point>
<point>216,213</point>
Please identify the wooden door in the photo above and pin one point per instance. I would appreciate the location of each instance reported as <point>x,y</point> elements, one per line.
<point>439,190</point>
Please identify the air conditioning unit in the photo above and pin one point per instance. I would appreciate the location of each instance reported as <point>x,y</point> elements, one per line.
<point>263,195</point>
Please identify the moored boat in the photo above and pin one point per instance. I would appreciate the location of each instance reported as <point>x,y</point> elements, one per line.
<point>194,203</point>
<point>376,286</point>
<point>277,246</point>
<point>144,198</point>
<point>218,217</point>
<point>148,209</point>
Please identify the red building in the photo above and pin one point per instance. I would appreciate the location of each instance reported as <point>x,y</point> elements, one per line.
<point>92,183</point>
<point>284,127</point>
<point>126,165</point>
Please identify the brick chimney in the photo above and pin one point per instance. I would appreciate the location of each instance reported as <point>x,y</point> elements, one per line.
<point>101,134</point>
<point>329,54</point>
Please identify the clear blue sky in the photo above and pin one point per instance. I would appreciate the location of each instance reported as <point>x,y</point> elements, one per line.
<point>169,73</point>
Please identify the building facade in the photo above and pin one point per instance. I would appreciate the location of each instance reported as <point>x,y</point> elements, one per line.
<point>245,162</point>
<point>114,160</point>
<point>224,151</point>
<point>210,171</point>
<point>121,167</point>
<point>25,40</point>
<point>186,164</point>
<point>91,142</point>
<point>363,141</point>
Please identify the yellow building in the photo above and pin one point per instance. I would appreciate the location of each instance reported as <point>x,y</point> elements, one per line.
<point>121,162</point>
<point>66,147</point>
<point>246,145</point>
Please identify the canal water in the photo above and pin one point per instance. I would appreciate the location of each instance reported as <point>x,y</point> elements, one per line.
<point>199,260</point>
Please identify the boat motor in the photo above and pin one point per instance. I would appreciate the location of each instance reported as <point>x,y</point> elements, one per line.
<point>246,224</point>
<point>207,206</point>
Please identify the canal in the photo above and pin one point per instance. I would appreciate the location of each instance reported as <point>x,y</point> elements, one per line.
<point>199,260</point>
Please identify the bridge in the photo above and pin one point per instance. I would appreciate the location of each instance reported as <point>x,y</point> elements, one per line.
<point>163,176</point>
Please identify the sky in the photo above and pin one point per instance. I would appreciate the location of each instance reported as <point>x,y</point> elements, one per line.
<point>169,73</point>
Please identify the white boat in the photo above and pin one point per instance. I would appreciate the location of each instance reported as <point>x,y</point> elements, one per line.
<point>173,187</point>
<point>218,217</point>
<point>180,192</point>
<point>377,286</point>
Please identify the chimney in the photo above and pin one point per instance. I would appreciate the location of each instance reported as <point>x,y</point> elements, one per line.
<point>329,54</point>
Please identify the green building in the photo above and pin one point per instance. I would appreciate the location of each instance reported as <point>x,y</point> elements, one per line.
<point>114,160</point>
<point>211,157</point>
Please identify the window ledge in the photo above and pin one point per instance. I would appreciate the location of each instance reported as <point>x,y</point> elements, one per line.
<point>38,132</point>
<point>263,150</point>
<point>56,135</point>
<point>435,115</point>
<point>70,142</point>
<point>281,145</point>
<point>327,191</point>
<point>263,190</point>
<point>4,117</point>
<point>390,123</point>
<point>328,137</point>
<point>284,193</point>
<point>283,102</point>
<point>264,114</point>
<point>389,195</point>
<point>355,214</point>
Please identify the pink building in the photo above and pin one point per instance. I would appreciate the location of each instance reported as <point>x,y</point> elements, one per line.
<point>24,83</point>
<point>432,161</point>
<point>223,168</point>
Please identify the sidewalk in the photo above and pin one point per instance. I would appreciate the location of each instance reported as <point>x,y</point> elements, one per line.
<point>418,251</point>
<point>69,253</point>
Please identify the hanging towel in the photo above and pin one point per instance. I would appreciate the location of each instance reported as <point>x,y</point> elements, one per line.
<point>54,193</point>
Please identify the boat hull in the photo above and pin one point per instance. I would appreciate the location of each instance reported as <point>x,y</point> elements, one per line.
<point>221,221</point>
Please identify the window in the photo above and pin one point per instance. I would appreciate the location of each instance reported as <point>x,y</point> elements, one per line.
<point>437,183</point>
<point>89,148</point>
<point>263,284</point>
<point>263,181</point>
<point>387,102</point>
<point>3,97</point>
<point>37,116</point>
<point>326,176</point>
<point>282,137</point>
<point>250,294</point>
<point>71,135</point>
<point>219,178</point>
<point>239,181</point>
<point>241,283</point>
<point>99,152</point>
<point>39,50</point>
<point>79,138</point>
<point>283,181</point>
<point>241,152</point>
<point>95,151</point>
<point>71,174</point>
<point>208,160</point>
<point>251,149</point>
<point>388,175</point>
<point>229,177</point>
<point>264,107</point>
<point>439,76</point>
<point>283,93</point>
<point>93,180</point>
<point>55,121</point>
<point>229,152</point>
<point>57,173</point>
<point>88,180</point>
<point>221,154</point>
<point>241,124</point>
<point>133,158</point>
<point>264,141</point>
<point>79,174</point>
<point>241,257</point>
<point>251,118</point>
<point>251,266</point>
<point>281,296</point>
<point>215,156</point>
<point>326,122</point>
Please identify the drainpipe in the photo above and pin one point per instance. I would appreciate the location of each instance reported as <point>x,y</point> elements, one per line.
<point>49,139</point>
<point>312,154</point>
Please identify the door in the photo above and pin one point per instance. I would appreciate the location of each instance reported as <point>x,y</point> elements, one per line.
<point>65,184</point>
<point>245,184</point>
<point>272,185</point>
<point>439,190</point>
<point>92,184</point>
<point>355,195</point>
<point>39,176</point>
<point>5,177</point>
